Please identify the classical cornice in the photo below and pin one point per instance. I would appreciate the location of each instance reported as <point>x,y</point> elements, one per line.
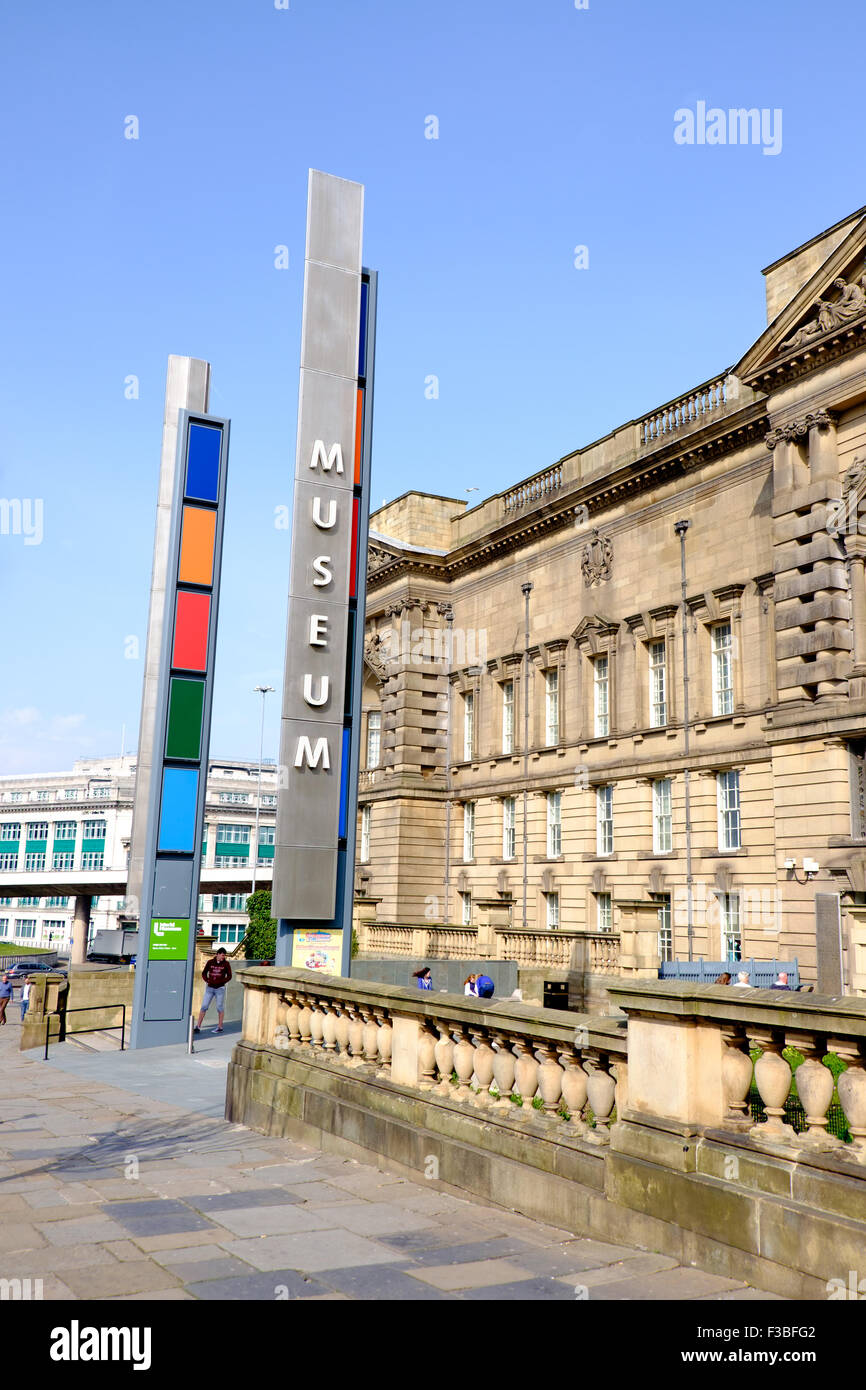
<point>652,467</point>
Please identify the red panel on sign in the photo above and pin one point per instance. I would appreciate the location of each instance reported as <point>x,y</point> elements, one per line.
<point>353,558</point>
<point>192,618</point>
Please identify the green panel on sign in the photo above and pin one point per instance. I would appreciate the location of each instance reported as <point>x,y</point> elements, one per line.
<point>169,938</point>
<point>185,703</point>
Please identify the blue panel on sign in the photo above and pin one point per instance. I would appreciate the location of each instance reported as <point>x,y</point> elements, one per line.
<point>344,783</point>
<point>362,336</point>
<point>177,814</point>
<point>203,463</point>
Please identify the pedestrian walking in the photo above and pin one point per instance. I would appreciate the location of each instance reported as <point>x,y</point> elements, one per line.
<point>424,978</point>
<point>25,997</point>
<point>6,988</point>
<point>216,975</point>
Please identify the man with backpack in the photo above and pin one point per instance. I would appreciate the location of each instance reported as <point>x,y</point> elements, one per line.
<point>216,975</point>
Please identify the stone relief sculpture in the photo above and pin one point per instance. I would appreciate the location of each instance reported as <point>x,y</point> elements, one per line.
<point>851,304</point>
<point>596,560</point>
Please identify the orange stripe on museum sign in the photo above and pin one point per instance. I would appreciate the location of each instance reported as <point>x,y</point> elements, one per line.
<point>197,546</point>
<point>359,433</point>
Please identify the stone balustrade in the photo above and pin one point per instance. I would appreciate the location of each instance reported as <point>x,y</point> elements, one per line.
<point>520,1062</point>
<point>695,405</point>
<point>542,484</point>
<point>595,952</point>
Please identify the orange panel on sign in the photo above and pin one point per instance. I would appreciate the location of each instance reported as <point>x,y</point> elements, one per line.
<point>197,546</point>
<point>359,432</point>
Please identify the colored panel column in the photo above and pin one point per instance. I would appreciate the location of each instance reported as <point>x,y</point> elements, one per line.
<point>185,704</point>
<point>192,619</point>
<point>197,546</point>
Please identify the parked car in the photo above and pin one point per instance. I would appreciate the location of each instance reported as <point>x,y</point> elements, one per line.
<point>20,972</point>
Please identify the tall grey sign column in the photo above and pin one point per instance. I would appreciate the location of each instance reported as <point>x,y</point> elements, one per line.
<point>316,811</point>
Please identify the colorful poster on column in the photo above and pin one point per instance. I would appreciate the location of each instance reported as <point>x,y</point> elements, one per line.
<point>318,950</point>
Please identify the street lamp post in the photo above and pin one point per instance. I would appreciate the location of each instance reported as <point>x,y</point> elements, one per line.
<point>264,691</point>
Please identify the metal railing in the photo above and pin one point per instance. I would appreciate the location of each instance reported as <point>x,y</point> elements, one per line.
<point>87,1008</point>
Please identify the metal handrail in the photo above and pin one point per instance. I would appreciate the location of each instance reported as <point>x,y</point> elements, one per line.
<point>83,1009</point>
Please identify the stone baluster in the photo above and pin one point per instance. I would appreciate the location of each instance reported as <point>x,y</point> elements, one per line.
<point>484,1060</point>
<point>464,1063</point>
<point>773,1080</point>
<point>426,1057</point>
<point>356,1037</point>
<point>292,1012</point>
<point>525,1076</point>
<point>444,1054</point>
<point>736,1074</point>
<point>343,1021</point>
<point>317,1024</point>
<point>329,1026</point>
<point>574,1086</point>
<point>384,1039</point>
<point>305,1014</point>
<point>852,1092</point>
<point>503,1072</point>
<point>370,1035</point>
<point>601,1093</point>
<point>814,1087</point>
<point>550,1078</point>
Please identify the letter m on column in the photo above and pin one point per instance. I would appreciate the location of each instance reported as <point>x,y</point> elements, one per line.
<point>327,461</point>
<point>305,754</point>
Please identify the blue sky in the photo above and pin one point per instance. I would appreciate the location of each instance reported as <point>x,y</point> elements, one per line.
<point>555,130</point>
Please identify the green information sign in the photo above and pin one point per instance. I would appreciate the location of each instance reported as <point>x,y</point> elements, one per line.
<point>169,938</point>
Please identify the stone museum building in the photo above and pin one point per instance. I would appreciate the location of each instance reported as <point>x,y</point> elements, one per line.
<point>579,714</point>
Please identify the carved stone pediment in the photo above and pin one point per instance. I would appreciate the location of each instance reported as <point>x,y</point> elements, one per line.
<point>378,556</point>
<point>595,633</point>
<point>848,303</point>
<point>377,652</point>
<point>596,559</point>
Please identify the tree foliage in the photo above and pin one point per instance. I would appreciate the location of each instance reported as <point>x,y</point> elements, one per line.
<point>260,942</point>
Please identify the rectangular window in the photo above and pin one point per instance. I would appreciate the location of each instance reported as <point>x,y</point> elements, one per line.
<point>601,696</point>
<point>232,861</point>
<point>551,705</point>
<point>552,910</point>
<point>53,925</point>
<point>554,825</point>
<point>269,800</point>
<point>508,717</point>
<point>662,837</point>
<point>34,863</point>
<point>17,796</point>
<point>728,791</point>
<point>37,830</point>
<point>70,794</point>
<point>4,926</point>
<point>65,860</point>
<point>469,830</point>
<point>603,912</point>
<point>468,726</point>
<point>100,793</point>
<point>374,738</point>
<point>64,830</point>
<point>658,675</point>
<point>234,796</point>
<point>604,820</point>
<point>45,796</point>
<point>9,861</point>
<point>64,902</point>
<point>91,859</point>
<point>11,830</point>
<point>229,902</point>
<point>732,940</point>
<point>29,902</point>
<point>233,834</point>
<point>25,928</point>
<point>267,834</point>
<point>666,938</point>
<point>466,909</point>
<point>365,834</point>
<point>509,837</point>
<point>723,681</point>
<point>93,830</point>
<point>228,933</point>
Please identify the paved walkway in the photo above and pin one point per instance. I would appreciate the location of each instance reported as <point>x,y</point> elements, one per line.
<point>119,1179</point>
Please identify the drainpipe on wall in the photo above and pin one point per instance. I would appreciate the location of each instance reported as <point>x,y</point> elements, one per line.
<point>526,590</point>
<point>680,528</point>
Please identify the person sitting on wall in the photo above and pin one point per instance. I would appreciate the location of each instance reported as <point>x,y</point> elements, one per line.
<point>484,987</point>
<point>781,981</point>
<point>216,975</point>
<point>742,980</point>
<point>424,978</point>
<point>723,979</point>
<point>470,984</point>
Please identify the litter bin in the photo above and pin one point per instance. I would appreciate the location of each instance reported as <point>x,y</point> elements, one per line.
<point>556,994</point>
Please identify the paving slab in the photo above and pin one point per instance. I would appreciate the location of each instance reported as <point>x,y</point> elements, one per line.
<point>310,1252</point>
<point>279,1285</point>
<point>472,1274</point>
